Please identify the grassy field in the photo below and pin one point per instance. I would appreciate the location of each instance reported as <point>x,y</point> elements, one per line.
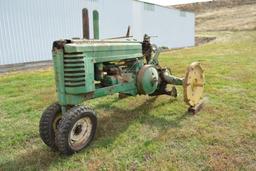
<point>146,133</point>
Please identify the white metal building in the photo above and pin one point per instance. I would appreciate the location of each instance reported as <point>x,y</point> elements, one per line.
<point>28,27</point>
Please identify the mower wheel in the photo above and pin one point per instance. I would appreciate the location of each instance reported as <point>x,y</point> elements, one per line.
<point>48,125</point>
<point>77,129</point>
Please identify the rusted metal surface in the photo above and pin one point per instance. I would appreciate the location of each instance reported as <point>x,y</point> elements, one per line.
<point>170,79</point>
<point>147,48</point>
<point>128,31</point>
<point>162,86</point>
<point>86,30</point>
<point>80,133</point>
<point>198,107</point>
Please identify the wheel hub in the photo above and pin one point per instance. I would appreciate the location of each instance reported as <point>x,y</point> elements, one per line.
<point>78,130</point>
<point>80,133</point>
<point>147,79</point>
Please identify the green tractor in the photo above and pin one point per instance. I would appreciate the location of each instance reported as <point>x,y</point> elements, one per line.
<point>87,69</point>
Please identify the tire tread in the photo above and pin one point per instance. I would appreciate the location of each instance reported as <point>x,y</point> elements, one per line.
<point>45,127</point>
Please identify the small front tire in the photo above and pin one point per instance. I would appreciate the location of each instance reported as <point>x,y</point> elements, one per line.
<point>77,129</point>
<point>48,125</point>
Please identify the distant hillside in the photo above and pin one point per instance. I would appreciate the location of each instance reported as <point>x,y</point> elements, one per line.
<point>227,19</point>
<point>223,15</point>
<point>203,6</point>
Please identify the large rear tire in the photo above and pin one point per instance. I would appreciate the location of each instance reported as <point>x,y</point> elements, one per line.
<point>77,129</point>
<point>48,125</point>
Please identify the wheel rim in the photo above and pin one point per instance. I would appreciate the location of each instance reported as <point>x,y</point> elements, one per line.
<point>80,133</point>
<point>193,84</point>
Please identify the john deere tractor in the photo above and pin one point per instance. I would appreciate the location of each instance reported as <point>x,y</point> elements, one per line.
<point>88,69</point>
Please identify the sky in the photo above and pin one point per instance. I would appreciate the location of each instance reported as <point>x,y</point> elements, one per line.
<point>172,2</point>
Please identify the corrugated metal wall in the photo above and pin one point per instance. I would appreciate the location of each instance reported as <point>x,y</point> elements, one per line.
<point>171,27</point>
<point>28,27</point>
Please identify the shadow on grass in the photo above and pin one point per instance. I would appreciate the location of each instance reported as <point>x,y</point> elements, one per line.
<point>119,120</point>
<point>32,159</point>
<point>109,127</point>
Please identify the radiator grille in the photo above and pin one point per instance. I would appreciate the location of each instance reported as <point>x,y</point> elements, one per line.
<point>74,71</point>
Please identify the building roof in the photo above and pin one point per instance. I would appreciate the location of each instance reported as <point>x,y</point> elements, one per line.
<point>162,6</point>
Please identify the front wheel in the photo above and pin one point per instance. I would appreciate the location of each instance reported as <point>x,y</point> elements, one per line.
<point>48,125</point>
<point>77,130</point>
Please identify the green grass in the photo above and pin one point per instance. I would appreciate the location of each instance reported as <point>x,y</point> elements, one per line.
<point>146,133</point>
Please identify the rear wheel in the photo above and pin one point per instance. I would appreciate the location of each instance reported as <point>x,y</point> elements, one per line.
<point>48,125</point>
<point>193,84</point>
<point>77,129</point>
